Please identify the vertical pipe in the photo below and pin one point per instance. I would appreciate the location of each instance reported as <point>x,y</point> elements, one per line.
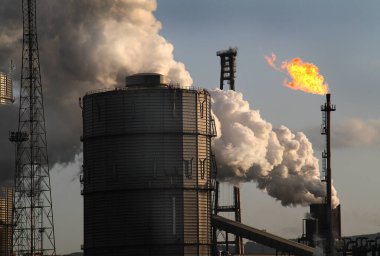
<point>227,247</point>
<point>328,149</point>
<point>330,237</point>
<point>197,167</point>
<point>232,71</point>
<point>221,72</point>
<point>174,216</point>
<point>216,206</point>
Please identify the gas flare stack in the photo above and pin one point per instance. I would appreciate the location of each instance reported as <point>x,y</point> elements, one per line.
<point>323,227</point>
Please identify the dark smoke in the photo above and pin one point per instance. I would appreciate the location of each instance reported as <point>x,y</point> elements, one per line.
<point>84,45</point>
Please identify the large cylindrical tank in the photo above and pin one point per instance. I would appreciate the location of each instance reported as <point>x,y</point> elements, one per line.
<point>6,92</point>
<point>146,173</point>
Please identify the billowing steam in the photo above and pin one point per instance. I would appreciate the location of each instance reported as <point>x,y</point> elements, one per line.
<point>89,44</point>
<point>248,148</point>
<point>110,39</point>
<point>84,45</point>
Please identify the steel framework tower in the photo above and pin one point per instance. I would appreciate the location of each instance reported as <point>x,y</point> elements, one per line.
<point>228,67</point>
<point>228,70</point>
<point>33,213</point>
<point>326,155</point>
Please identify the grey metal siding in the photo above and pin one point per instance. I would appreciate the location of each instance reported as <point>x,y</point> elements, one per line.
<point>147,172</point>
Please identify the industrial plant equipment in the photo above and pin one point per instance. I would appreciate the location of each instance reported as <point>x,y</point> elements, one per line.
<point>323,226</point>
<point>327,108</point>
<point>228,67</point>
<point>147,169</point>
<point>227,73</point>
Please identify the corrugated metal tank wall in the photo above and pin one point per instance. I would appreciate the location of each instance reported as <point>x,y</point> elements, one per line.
<point>146,173</point>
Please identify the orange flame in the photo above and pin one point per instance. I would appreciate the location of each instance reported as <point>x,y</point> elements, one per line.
<point>305,76</point>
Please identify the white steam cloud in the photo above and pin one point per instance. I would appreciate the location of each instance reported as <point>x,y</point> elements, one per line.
<point>119,37</point>
<point>130,40</point>
<point>248,148</point>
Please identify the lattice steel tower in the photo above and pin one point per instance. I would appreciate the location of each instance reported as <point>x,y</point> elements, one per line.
<point>33,213</point>
<point>228,67</point>
<point>228,73</point>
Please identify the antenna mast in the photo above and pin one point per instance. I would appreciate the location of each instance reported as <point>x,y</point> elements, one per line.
<point>33,212</point>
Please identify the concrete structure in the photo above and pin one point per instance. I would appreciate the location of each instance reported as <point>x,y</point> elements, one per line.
<point>147,170</point>
<point>6,91</point>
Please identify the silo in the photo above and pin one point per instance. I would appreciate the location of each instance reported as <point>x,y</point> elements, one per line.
<point>6,92</point>
<point>146,170</point>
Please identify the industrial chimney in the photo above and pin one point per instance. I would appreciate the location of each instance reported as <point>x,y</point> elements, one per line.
<point>147,170</point>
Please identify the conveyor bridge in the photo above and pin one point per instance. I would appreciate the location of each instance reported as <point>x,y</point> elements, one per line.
<point>280,244</point>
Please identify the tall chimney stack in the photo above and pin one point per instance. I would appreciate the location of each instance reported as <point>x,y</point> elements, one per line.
<point>326,155</point>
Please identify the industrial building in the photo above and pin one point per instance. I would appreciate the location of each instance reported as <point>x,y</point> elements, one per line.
<point>147,183</point>
<point>6,203</point>
<point>315,227</point>
<point>6,91</point>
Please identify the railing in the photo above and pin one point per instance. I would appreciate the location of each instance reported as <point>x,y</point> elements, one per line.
<point>169,86</point>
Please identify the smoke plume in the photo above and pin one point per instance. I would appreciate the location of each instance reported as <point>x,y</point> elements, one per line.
<point>84,45</point>
<point>248,148</point>
<point>91,44</point>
